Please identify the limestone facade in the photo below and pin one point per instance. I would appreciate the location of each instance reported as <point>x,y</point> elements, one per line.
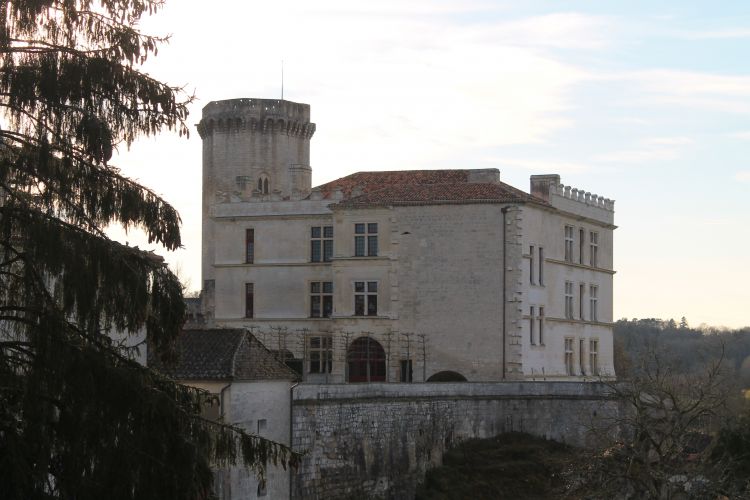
<point>399,276</point>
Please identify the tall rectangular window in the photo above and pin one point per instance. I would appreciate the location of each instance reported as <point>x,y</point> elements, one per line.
<point>321,299</point>
<point>569,299</point>
<point>569,356</point>
<point>568,243</point>
<point>249,246</point>
<point>365,298</point>
<point>541,325</point>
<point>541,266</point>
<point>407,374</point>
<point>581,292</point>
<point>249,300</point>
<point>531,324</point>
<point>594,356</point>
<point>366,239</point>
<point>581,244</point>
<point>594,302</point>
<point>593,249</point>
<point>581,357</point>
<point>320,353</point>
<point>531,264</point>
<point>321,244</point>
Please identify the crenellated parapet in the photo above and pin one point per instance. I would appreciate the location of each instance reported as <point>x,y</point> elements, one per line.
<point>583,196</point>
<point>573,200</point>
<point>257,115</point>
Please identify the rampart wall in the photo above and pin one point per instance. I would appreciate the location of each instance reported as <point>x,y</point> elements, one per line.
<point>377,440</point>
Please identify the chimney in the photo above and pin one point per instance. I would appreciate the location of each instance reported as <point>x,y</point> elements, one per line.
<point>484,175</point>
<point>540,185</point>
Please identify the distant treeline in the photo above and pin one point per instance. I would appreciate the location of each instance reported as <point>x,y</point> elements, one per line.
<point>680,348</point>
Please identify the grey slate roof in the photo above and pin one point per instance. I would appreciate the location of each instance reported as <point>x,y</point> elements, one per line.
<point>222,354</point>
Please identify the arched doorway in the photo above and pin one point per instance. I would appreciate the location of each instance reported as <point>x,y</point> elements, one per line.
<point>447,376</point>
<point>366,360</point>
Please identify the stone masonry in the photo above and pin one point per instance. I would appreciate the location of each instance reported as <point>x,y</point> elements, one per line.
<point>377,440</point>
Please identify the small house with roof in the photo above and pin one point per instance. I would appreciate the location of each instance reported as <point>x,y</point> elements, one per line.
<point>252,390</point>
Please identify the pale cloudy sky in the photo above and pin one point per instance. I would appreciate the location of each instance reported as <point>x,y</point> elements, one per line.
<point>644,102</point>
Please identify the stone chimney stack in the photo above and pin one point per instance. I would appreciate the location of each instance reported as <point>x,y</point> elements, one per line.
<point>540,185</point>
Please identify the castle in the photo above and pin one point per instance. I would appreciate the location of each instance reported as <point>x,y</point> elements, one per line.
<point>399,276</point>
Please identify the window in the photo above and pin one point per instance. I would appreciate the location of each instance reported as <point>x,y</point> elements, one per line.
<point>366,239</point>
<point>594,249</point>
<point>569,356</point>
<point>321,354</point>
<point>594,302</point>
<point>568,243</point>
<point>365,298</point>
<point>569,299</point>
<point>541,325</point>
<point>249,246</point>
<point>263,184</point>
<point>594,356</point>
<point>531,264</point>
<point>262,489</point>
<point>541,266</point>
<point>531,325</point>
<point>581,292</point>
<point>321,244</point>
<point>581,357</point>
<point>407,374</point>
<point>321,299</point>
<point>581,244</point>
<point>261,425</point>
<point>249,300</point>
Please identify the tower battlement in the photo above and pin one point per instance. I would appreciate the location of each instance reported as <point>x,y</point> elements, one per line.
<point>260,115</point>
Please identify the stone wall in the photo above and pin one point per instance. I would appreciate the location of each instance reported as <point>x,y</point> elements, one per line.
<point>377,440</point>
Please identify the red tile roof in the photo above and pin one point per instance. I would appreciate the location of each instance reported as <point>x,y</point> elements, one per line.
<point>421,187</point>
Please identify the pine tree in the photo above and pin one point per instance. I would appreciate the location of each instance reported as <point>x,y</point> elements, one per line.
<point>78,418</point>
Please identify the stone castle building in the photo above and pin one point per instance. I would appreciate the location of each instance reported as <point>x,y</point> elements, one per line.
<point>399,275</point>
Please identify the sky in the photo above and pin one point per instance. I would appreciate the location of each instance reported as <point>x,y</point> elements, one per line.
<point>646,103</point>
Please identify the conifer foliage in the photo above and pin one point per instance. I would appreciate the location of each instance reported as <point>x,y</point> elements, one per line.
<point>78,419</point>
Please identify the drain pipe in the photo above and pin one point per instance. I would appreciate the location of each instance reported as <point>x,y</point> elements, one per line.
<point>291,429</point>
<point>504,211</point>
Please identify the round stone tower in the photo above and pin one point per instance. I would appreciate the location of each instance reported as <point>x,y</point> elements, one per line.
<point>254,150</point>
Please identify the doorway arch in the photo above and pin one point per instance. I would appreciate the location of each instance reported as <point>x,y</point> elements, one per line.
<point>366,360</point>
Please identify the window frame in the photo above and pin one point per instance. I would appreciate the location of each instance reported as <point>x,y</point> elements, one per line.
<point>541,266</point>
<point>581,301</point>
<point>568,359</point>
<point>321,295</point>
<point>581,244</point>
<point>250,300</point>
<point>594,248</point>
<point>323,353</point>
<point>594,356</point>
<point>582,355</point>
<point>540,318</point>
<point>249,245</point>
<point>324,242</point>
<point>368,297</point>
<point>569,300</point>
<point>594,302</point>
<point>368,238</point>
<point>568,243</point>
<point>406,367</point>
